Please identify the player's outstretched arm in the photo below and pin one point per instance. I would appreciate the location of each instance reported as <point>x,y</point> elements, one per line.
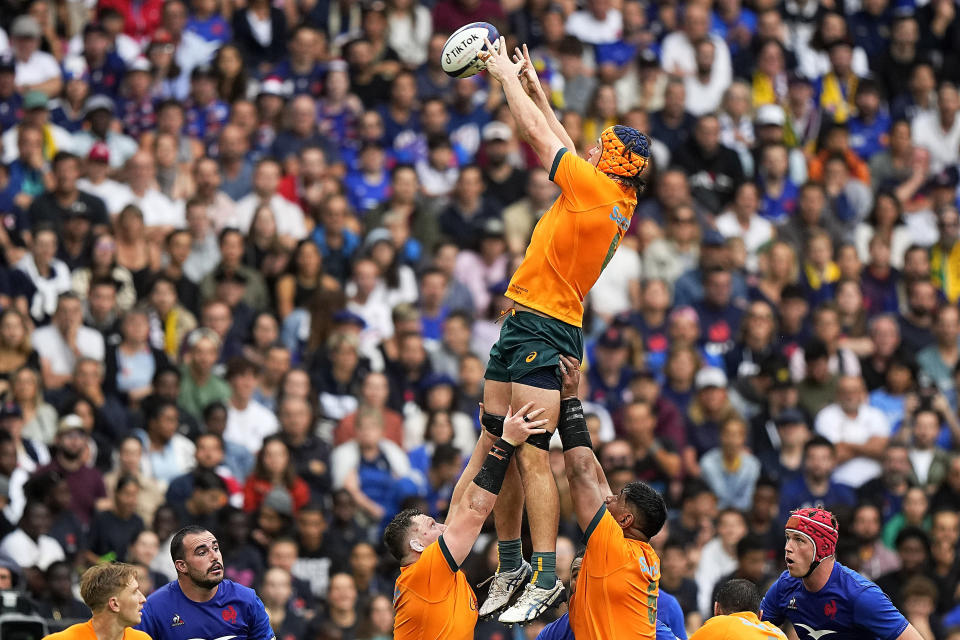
<point>583,470</point>
<point>531,123</point>
<point>531,84</point>
<point>910,633</point>
<point>478,499</point>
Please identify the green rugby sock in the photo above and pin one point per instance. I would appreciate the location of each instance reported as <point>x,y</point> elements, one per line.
<point>544,569</point>
<point>510,553</point>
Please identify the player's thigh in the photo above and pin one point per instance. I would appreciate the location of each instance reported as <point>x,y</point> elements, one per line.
<point>542,398</point>
<point>496,396</point>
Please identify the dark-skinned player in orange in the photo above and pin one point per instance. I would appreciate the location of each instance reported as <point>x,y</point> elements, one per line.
<point>570,246</point>
<point>618,586</point>
<point>432,598</point>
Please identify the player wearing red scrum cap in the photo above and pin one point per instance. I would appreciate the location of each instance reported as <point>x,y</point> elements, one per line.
<point>823,598</point>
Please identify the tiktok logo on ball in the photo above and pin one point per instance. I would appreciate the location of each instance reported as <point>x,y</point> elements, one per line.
<point>460,48</point>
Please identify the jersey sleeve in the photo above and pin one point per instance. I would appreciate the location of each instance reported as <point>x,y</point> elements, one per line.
<point>579,180</point>
<point>432,575</point>
<point>670,612</point>
<point>771,609</point>
<point>260,628</point>
<point>664,632</point>
<point>873,611</point>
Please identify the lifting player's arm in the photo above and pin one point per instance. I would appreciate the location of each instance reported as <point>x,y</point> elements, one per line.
<point>531,123</point>
<point>478,499</point>
<point>588,483</point>
<point>533,87</point>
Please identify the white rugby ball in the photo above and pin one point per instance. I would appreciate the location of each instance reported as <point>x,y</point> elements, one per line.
<point>459,57</point>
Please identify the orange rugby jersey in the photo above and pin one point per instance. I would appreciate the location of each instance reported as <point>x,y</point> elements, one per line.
<point>738,626</point>
<point>84,631</point>
<point>618,586</point>
<point>433,600</point>
<point>573,241</point>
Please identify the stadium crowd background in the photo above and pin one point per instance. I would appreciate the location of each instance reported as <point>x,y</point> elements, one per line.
<point>253,257</point>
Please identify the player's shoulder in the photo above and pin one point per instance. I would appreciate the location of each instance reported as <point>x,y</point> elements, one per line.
<point>164,593</point>
<point>851,581</point>
<point>785,585</point>
<point>135,634</point>
<point>236,591</point>
<point>79,631</point>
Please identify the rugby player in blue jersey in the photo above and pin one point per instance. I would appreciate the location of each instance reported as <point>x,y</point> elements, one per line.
<point>821,597</point>
<point>200,604</point>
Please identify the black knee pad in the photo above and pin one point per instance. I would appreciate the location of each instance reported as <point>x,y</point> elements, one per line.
<point>493,424</point>
<point>540,440</point>
<point>543,378</point>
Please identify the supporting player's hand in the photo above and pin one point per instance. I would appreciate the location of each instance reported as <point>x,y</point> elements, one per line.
<point>499,64</point>
<point>570,369</point>
<point>528,74</point>
<point>519,426</point>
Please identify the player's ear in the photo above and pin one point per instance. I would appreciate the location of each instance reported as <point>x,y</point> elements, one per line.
<point>114,605</point>
<point>416,545</point>
<point>626,519</point>
<point>716,608</point>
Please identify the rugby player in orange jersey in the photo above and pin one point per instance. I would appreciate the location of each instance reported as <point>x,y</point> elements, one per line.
<point>618,585</point>
<point>113,594</point>
<point>570,246</point>
<point>432,597</point>
<point>736,615</point>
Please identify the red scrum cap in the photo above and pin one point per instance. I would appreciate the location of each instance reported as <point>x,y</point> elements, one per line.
<point>817,525</point>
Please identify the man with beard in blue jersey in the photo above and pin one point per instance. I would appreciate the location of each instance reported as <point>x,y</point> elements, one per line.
<point>823,598</point>
<point>200,604</point>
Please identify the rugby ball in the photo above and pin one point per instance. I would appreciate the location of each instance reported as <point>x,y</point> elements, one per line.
<point>459,57</point>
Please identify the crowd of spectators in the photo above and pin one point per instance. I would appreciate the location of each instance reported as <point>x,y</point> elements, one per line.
<point>253,254</point>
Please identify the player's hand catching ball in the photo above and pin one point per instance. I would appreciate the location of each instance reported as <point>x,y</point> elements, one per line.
<point>519,426</point>
<point>528,74</point>
<point>570,369</point>
<point>499,64</point>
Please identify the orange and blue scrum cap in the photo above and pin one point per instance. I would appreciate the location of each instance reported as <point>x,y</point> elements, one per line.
<point>624,151</point>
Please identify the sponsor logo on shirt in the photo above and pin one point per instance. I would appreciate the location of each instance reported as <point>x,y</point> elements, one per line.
<point>177,621</point>
<point>830,609</point>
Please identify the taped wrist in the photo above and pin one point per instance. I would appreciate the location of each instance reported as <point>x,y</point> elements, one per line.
<point>492,423</point>
<point>491,474</point>
<point>572,426</point>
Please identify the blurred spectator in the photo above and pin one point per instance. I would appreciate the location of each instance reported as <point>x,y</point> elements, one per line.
<point>374,471</point>
<point>60,603</point>
<point>732,488</point>
<point>113,530</point>
<point>248,421</point>
<point>29,543</point>
<point>278,601</point>
<point>814,485</point>
<point>718,557</point>
<point>200,385</point>
<point>70,461</point>
<point>169,453</point>
<point>131,463</point>
<point>273,469</point>
<point>859,432</point>
<point>875,558</point>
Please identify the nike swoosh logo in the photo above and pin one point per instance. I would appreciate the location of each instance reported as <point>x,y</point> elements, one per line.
<point>816,634</point>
